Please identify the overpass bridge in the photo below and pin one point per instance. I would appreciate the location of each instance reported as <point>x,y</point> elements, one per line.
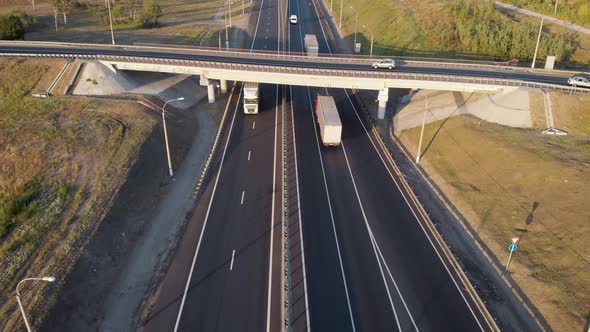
<point>288,68</point>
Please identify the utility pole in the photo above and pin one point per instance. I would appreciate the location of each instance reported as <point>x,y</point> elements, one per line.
<point>111,22</point>
<point>555,12</point>
<point>230,13</point>
<point>422,133</point>
<point>538,41</point>
<point>341,5</point>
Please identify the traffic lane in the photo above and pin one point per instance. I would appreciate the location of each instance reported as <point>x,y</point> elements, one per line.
<point>267,35</point>
<point>367,292</point>
<point>433,299</point>
<point>165,310</point>
<point>221,299</point>
<point>558,79</point>
<point>328,306</point>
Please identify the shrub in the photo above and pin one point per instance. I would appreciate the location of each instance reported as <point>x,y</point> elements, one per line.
<point>11,27</point>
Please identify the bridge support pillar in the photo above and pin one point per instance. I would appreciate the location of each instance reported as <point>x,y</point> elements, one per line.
<point>211,91</point>
<point>223,86</point>
<point>382,99</point>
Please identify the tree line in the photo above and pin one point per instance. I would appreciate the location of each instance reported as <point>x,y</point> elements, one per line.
<point>476,27</point>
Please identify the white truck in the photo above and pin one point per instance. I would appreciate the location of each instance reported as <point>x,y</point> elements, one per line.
<point>250,98</point>
<point>328,120</point>
<point>311,45</point>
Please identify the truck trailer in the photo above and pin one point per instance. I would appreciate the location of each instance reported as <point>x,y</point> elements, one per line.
<point>250,98</point>
<point>328,120</point>
<point>311,45</point>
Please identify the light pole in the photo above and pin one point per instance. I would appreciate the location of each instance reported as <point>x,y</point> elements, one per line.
<point>166,133</point>
<point>20,304</point>
<point>243,8</point>
<point>219,38</point>
<point>356,23</point>
<point>341,6</point>
<point>111,22</point>
<point>230,13</point>
<point>554,12</point>
<point>371,32</point>
<point>422,132</point>
<point>538,41</point>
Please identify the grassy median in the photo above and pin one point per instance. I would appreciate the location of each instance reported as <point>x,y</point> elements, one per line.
<point>62,162</point>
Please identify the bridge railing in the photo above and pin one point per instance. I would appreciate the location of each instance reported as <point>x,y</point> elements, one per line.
<point>294,56</point>
<point>393,75</point>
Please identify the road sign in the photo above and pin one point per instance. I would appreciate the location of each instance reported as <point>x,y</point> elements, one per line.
<point>512,247</point>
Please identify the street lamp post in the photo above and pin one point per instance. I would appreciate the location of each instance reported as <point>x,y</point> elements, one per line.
<point>219,38</point>
<point>356,22</point>
<point>230,13</point>
<point>111,22</point>
<point>538,41</point>
<point>422,132</point>
<point>555,11</point>
<point>371,32</point>
<point>20,304</point>
<point>166,133</point>
<point>341,6</point>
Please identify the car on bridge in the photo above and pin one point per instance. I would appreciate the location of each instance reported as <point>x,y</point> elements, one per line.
<point>580,80</point>
<point>293,19</point>
<point>384,63</point>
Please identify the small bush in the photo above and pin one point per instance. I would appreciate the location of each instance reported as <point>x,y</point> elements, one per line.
<point>11,27</point>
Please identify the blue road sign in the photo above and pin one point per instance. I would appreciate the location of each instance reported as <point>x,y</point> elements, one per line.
<point>512,247</point>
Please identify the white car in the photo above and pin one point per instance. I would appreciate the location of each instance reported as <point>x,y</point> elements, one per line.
<point>293,19</point>
<point>385,63</point>
<point>579,81</point>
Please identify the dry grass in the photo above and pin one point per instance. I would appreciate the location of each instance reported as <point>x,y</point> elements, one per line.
<point>62,162</point>
<point>547,175</point>
<point>189,22</point>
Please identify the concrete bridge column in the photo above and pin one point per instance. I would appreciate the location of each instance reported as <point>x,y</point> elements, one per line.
<point>211,92</point>
<point>382,98</point>
<point>210,89</point>
<point>223,86</point>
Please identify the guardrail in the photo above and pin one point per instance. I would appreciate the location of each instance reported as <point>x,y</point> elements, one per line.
<point>394,75</point>
<point>293,56</point>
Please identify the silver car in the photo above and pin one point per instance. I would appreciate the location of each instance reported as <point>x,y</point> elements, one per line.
<point>579,81</point>
<point>385,63</point>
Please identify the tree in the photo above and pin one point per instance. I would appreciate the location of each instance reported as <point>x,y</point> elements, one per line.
<point>11,27</point>
<point>152,11</point>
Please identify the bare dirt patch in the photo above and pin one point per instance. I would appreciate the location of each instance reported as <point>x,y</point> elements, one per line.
<point>515,182</point>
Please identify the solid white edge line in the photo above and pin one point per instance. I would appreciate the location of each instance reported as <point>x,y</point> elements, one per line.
<point>299,216</point>
<point>188,281</point>
<point>233,255</point>
<point>416,216</point>
<point>272,217</point>
<point>257,22</point>
<point>375,245</point>
<point>331,213</point>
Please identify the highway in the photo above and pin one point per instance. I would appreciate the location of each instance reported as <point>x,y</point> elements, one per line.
<point>232,245</point>
<point>370,266</point>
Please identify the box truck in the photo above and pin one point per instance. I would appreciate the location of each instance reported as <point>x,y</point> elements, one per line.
<point>311,45</point>
<point>328,120</point>
<point>250,97</point>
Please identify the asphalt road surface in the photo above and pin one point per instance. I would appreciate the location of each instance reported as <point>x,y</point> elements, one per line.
<point>233,281</point>
<point>370,266</point>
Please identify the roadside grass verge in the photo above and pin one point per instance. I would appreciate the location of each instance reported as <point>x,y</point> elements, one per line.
<point>430,28</point>
<point>63,161</point>
<point>515,182</point>
<point>187,22</point>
